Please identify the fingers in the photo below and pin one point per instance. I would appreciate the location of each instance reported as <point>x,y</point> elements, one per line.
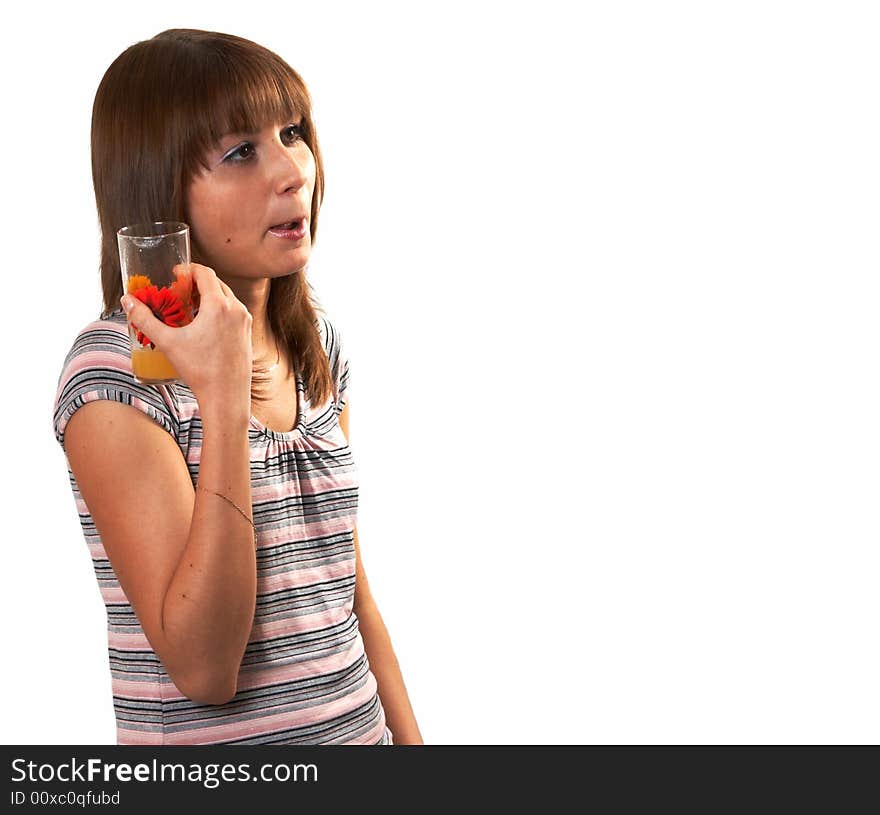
<point>149,328</point>
<point>141,316</point>
<point>205,279</point>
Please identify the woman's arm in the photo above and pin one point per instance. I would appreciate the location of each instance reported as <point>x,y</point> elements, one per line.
<point>185,559</point>
<point>399,714</point>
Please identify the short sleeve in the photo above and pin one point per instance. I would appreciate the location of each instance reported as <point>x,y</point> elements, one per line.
<point>338,358</point>
<point>98,366</point>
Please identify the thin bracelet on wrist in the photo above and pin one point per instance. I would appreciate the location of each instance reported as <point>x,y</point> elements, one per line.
<point>230,501</point>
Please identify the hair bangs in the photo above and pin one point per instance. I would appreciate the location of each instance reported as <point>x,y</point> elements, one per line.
<point>244,95</point>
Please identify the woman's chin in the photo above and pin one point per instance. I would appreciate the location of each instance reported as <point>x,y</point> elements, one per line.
<point>287,271</point>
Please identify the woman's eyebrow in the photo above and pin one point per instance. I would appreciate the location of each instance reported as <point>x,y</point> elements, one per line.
<point>252,134</point>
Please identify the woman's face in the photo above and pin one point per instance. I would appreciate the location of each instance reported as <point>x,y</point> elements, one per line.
<point>256,181</point>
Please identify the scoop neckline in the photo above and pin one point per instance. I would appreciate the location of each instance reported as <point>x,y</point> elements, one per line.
<point>288,435</point>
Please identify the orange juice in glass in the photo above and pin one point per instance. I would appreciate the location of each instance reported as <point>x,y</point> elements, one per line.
<point>154,258</point>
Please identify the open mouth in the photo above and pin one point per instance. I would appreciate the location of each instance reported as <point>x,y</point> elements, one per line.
<point>291,229</point>
<point>287,226</point>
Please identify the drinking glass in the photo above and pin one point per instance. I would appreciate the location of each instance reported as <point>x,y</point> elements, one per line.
<point>155,265</point>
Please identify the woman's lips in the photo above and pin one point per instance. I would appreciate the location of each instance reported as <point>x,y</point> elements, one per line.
<point>297,233</point>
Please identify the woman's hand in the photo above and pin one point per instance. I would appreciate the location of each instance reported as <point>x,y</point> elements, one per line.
<point>214,353</point>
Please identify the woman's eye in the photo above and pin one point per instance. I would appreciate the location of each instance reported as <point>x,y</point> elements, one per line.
<point>239,152</point>
<point>295,132</point>
<point>245,151</point>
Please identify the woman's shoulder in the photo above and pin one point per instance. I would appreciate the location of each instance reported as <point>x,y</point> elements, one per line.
<point>98,366</point>
<point>106,335</point>
<point>103,343</point>
<point>331,336</point>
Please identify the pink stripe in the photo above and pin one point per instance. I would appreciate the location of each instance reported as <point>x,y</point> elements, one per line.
<point>299,624</point>
<point>135,737</point>
<point>315,485</point>
<point>317,529</point>
<point>302,578</point>
<point>113,594</point>
<point>128,642</point>
<point>281,721</point>
<point>137,690</point>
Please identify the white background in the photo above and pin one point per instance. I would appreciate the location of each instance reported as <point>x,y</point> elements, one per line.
<point>607,278</point>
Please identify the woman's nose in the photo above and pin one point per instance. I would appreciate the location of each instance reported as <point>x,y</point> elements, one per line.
<point>290,166</point>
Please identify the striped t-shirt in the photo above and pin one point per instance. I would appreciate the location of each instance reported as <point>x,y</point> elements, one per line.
<point>304,677</point>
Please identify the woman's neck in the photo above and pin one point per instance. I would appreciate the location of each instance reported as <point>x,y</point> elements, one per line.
<point>255,296</point>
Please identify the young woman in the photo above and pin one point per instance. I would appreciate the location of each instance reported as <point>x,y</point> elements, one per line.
<point>220,513</point>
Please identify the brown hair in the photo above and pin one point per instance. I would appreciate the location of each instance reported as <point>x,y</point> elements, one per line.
<point>161,106</point>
